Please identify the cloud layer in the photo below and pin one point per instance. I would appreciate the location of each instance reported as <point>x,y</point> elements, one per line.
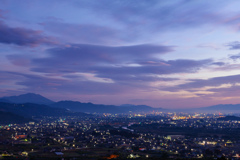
<point>22,36</point>
<point>159,53</point>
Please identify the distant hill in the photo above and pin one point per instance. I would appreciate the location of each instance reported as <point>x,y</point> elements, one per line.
<point>28,98</point>
<point>75,106</point>
<point>30,109</point>
<point>4,100</point>
<point>229,118</point>
<point>86,107</point>
<point>11,118</point>
<point>138,108</point>
<point>100,108</point>
<point>223,108</point>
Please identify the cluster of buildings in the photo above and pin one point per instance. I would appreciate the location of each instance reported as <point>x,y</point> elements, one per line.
<point>129,136</point>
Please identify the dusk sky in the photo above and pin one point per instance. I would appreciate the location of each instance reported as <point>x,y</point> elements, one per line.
<point>168,54</point>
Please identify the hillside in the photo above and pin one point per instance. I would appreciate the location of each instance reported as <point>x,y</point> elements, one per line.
<point>86,107</point>
<point>28,98</point>
<point>100,108</point>
<point>229,118</point>
<point>30,109</point>
<point>11,118</point>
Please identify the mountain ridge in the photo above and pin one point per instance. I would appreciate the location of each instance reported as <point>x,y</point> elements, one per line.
<point>28,98</point>
<point>76,106</point>
<point>89,107</point>
<point>12,118</point>
<point>29,110</point>
<point>101,108</point>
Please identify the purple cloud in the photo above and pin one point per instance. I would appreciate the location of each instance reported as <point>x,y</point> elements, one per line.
<point>6,77</point>
<point>104,63</point>
<point>19,60</point>
<point>137,20</point>
<point>235,57</point>
<point>82,57</point>
<point>229,94</point>
<point>115,62</point>
<point>83,33</point>
<point>1,14</point>
<point>212,82</point>
<point>180,15</point>
<point>234,45</point>
<point>22,36</point>
<point>169,67</point>
<point>226,91</point>
<point>218,63</point>
<point>39,84</point>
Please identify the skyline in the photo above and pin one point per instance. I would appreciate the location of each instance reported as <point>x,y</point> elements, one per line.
<point>178,54</point>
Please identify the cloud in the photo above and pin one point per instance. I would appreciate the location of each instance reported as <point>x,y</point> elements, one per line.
<point>157,15</point>
<point>22,36</point>
<point>109,69</point>
<point>235,57</point>
<point>124,21</point>
<point>80,65</point>
<point>40,84</point>
<point>8,77</point>
<point>218,63</point>
<point>82,57</point>
<point>149,70</point>
<point>228,93</point>
<point>119,67</point>
<point>211,82</point>
<point>19,60</point>
<point>130,62</point>
<point>83,33</point>
<point>234,45</point>
<point>225,91</point>
<point>1,14</point>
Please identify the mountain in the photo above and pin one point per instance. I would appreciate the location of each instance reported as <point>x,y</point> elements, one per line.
<point>138,108</point>
<point>229,118</point>
<point>4,100</point>
<point>86,107</point>
<point>11,118</point>
<point>223,108</point>
<point>100,108</point>
<point>30,109</point>
<point>75,106</point>
<point>28,98</point>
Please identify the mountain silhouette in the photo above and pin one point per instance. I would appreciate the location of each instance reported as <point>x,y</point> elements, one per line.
<point>75,106</point>
<point>100,108</point>
<point>11,118</point>
<point>30,110</point>
<point>28,98</point>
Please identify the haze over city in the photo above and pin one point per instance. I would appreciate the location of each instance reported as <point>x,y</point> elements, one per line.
<point>168,54</point>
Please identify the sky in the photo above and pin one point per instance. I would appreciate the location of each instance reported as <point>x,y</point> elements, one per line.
<point>168,54</point>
